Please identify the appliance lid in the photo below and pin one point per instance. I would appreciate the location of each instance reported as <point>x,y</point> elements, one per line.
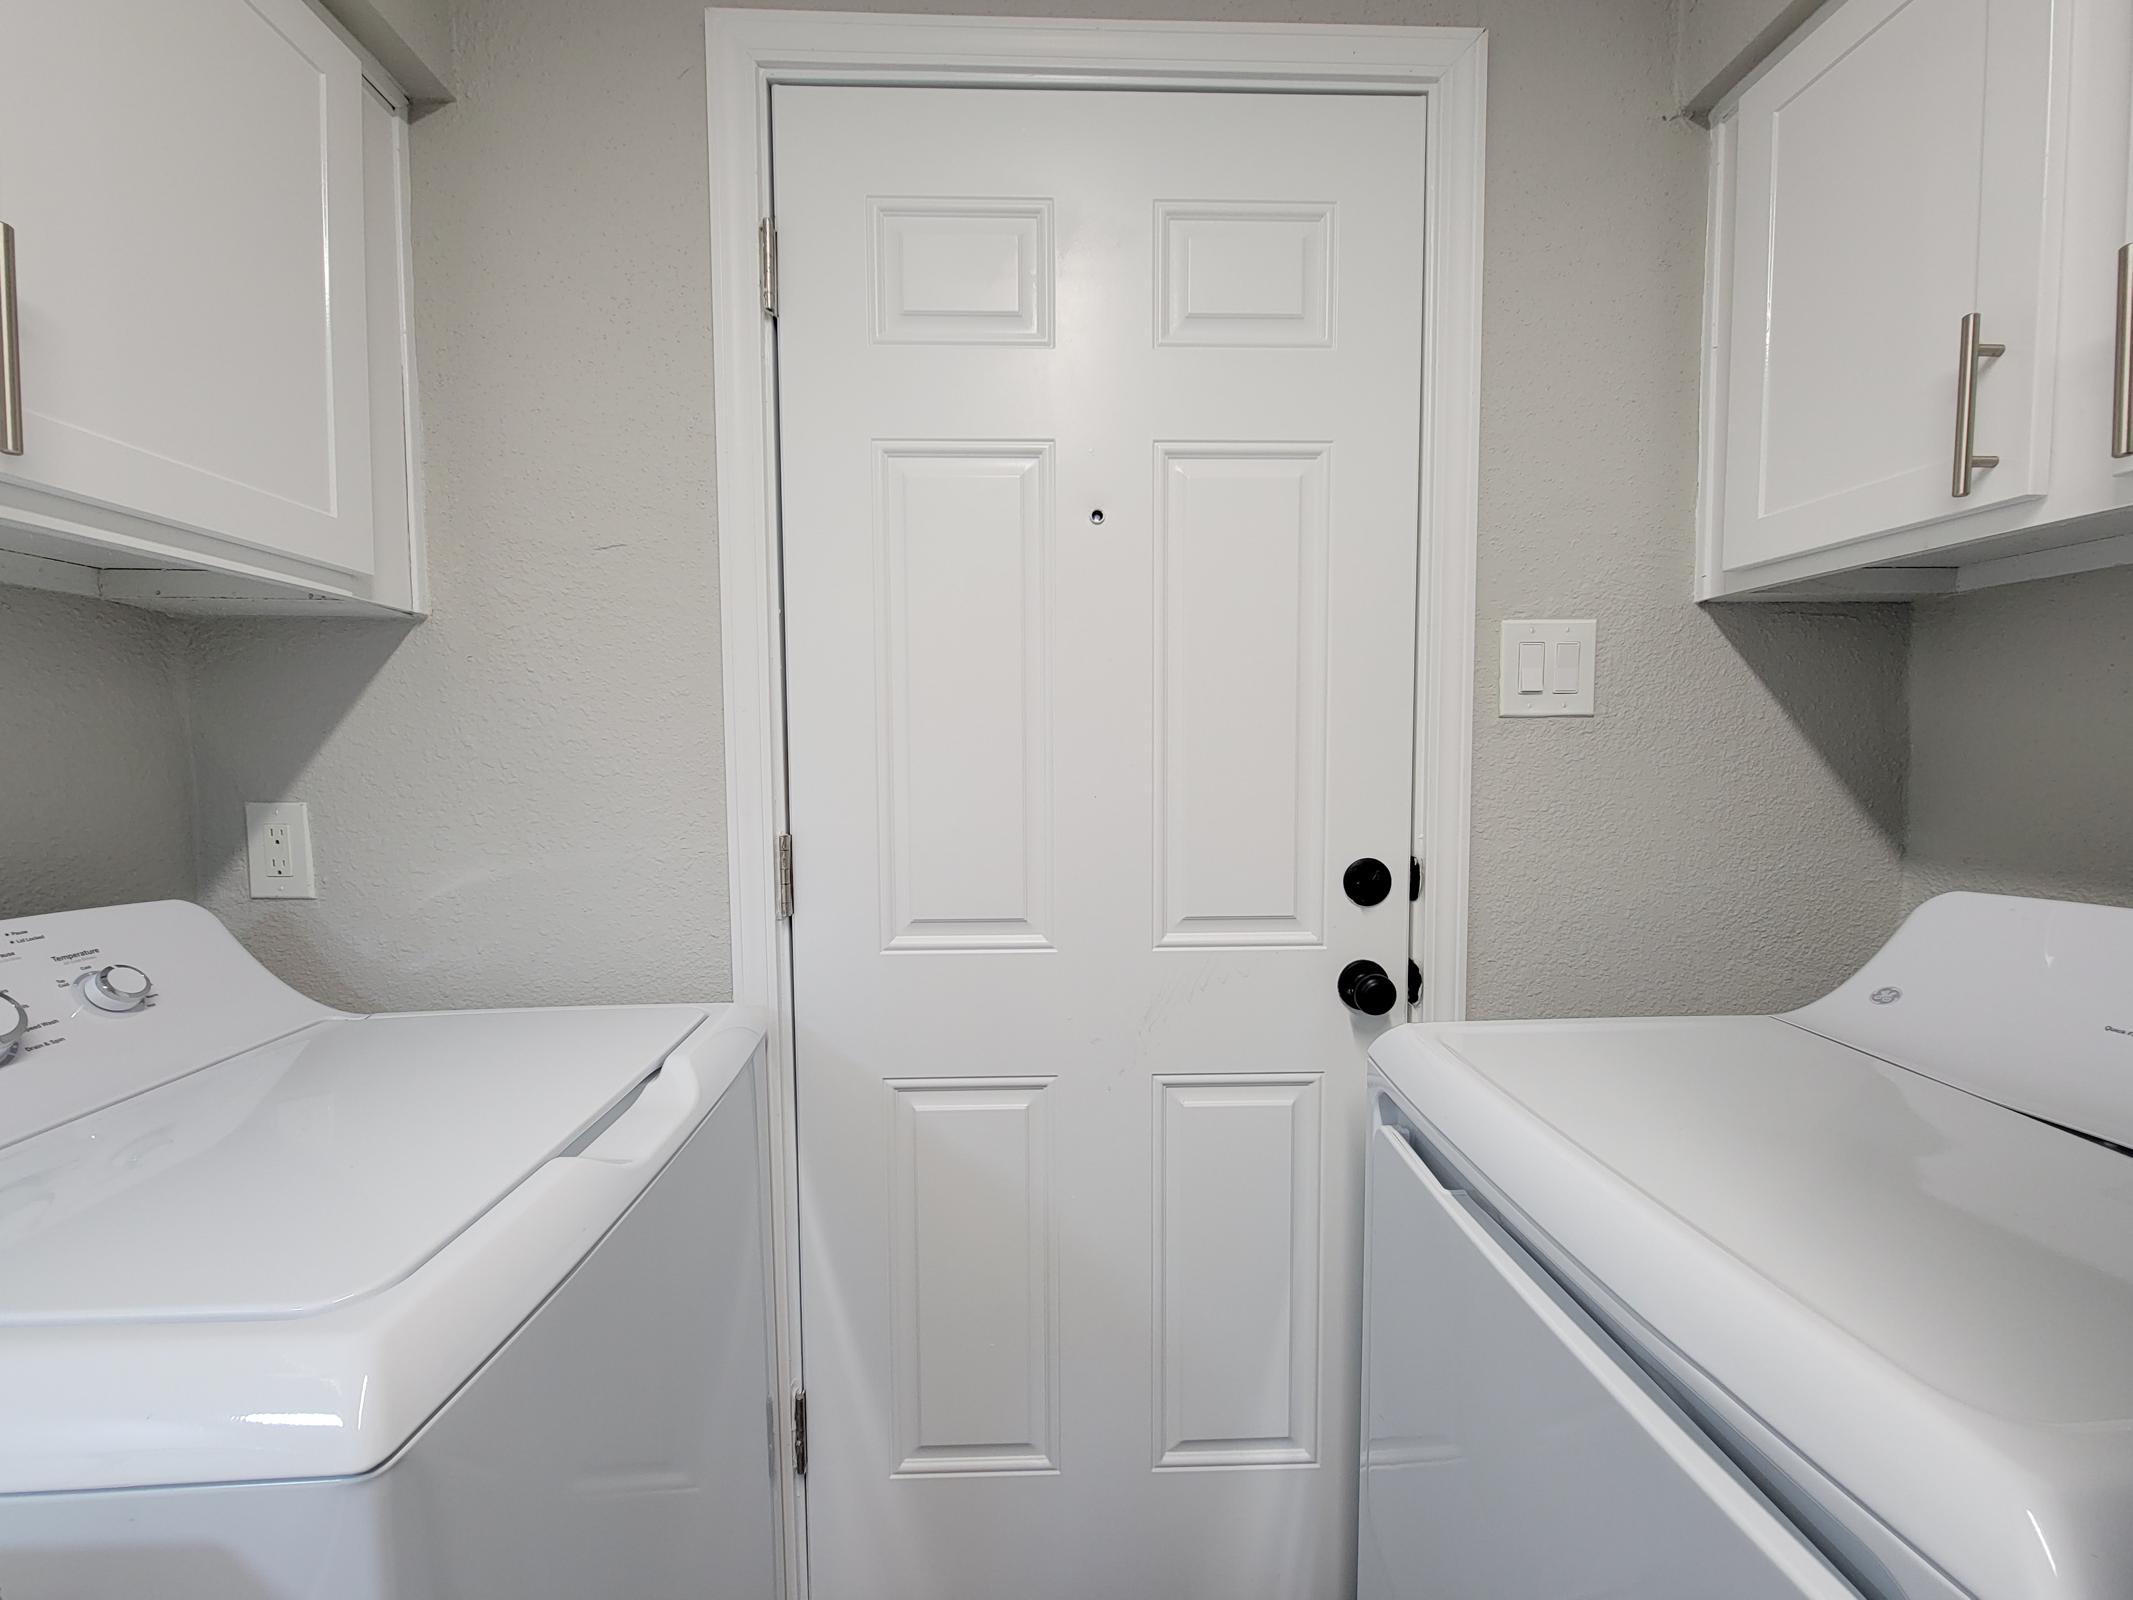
<point>310,1171</point>
<point>1932,1298</point>
<point>2026,1002</point>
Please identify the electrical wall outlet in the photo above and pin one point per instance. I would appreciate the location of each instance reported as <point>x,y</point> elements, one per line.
<point>277,847</point>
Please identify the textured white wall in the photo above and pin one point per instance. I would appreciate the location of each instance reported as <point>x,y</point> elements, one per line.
<point>2022,741</point>
<point>96,806</point>
<point>520,800</point>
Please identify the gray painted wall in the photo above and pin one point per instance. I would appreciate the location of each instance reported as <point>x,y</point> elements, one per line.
<point>97,803</point>
<point>2022,741</point>
<point>521,799</point>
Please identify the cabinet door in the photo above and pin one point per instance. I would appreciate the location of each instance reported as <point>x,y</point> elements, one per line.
<point>1896,171</point>
<point>186,188</point>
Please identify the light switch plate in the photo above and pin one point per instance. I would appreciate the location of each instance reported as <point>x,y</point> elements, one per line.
<point>277,849</point>
<point>1562,687</point>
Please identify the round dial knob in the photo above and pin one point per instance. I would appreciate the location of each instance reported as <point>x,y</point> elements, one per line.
<point>116,988</point>
<point>14,1023</point>
<point>1366,987</point>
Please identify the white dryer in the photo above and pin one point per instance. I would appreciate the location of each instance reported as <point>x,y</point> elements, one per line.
<point>1832,1303</point>
<point>403,1307</point>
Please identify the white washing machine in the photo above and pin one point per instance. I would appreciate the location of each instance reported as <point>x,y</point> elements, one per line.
<point>1833,1303</point>
<point>405,1307</point>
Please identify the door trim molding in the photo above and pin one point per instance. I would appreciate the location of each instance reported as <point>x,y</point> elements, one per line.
<point>747,53</point>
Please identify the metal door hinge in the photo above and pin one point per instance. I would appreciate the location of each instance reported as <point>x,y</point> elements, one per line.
<point>1414,878</point>
<point>799,1433</point>
<point>766,238</point>
<point>785,875</point>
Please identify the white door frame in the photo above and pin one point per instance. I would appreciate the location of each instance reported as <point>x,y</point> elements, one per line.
<point>749,52</point>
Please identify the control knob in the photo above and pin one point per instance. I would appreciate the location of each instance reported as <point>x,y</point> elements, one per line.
<point>116,988</point>
<point>14,1023</point>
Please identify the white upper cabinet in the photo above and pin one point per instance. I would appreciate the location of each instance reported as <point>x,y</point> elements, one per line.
<point>1890,170</point>
<point>206,200</point>
<point>1910,311</point>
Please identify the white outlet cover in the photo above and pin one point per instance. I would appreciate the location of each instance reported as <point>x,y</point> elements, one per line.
<point>261,819</point>
<point>1566,653</point>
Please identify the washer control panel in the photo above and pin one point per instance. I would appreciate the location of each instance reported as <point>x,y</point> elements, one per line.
<point>99,1005</point>
<point>44,991</point>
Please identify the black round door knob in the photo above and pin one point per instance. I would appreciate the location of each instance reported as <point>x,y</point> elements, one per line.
<point>1366,987</point>
<point>1367,880</point>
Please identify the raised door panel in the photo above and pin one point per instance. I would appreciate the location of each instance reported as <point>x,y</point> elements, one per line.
<point>962,271</point>
<point>1241,575</point>
<point>187,195</point>
<point>964,734</point>
<point>1893,176</point>
<point>972,1268</point>
<point>1237,1270</point>
<point>1245,274</point>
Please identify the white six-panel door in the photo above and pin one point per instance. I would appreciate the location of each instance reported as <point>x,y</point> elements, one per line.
<point>1099,420</point>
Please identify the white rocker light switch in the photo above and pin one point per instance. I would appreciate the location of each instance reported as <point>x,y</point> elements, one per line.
<point>1547,669</point>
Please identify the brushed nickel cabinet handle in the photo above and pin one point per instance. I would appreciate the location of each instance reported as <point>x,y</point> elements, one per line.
<point>10,350</point>
<point>1969,352</point>
<point>2122,360</point>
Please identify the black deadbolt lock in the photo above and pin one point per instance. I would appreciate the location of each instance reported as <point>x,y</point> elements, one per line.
<point>1367,880</point>
<point>1365,986</point>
